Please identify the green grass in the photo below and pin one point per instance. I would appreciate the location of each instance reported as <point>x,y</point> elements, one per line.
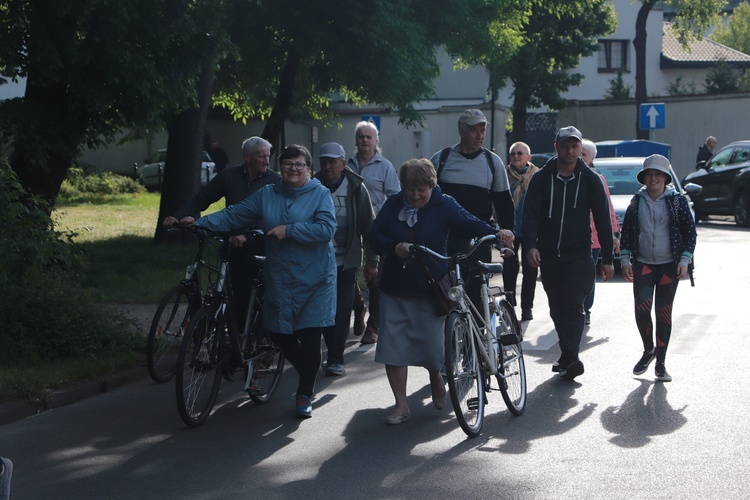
<point>114,235</point>
<point>115,238</point>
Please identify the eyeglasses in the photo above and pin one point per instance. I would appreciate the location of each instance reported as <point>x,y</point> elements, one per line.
<point>519,153</point>
<point>293,165</point>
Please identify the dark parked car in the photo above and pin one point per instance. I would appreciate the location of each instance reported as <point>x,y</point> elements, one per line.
<point>726,184</point>
<point>151,173</point>
<point>539,159</point>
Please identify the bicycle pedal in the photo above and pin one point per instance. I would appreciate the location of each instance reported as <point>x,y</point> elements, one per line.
<point>509,339</point>
<point>472,403</point>
<point>254,390</point>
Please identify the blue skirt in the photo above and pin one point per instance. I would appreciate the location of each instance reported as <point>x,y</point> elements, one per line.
<point>410,334</point>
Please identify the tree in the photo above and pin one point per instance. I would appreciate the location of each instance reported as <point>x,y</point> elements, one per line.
<point>693,18</point>
<point>381,52</point>
<point>735,33</point>
<point>93,68</point>
<point>292,67</point>
<point>554,37</point>
<point>618,89</point>
<point>722,79</point>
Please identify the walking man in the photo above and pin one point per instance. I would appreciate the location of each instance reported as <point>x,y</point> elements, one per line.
<point>476,178</point>
<point>557,233</point>
<point>354,216</point>
<point>381,181</point>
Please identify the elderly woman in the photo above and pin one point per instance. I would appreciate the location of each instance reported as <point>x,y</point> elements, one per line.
<point>658,241</point>
<point>410,332</point>
<point>300,280</point>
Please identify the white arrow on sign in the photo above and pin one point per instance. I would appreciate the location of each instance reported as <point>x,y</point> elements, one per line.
<point>652,114</point>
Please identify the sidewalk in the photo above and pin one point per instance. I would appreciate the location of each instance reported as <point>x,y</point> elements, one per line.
<point>10,411</point>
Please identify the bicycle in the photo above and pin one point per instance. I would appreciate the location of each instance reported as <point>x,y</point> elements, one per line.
<point>477,352</point>
<point>172,317</point>
<point>213,346</point>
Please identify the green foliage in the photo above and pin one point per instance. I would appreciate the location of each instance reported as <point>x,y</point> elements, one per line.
<point>48,317</point>
<point>678,88</point>
<point>618,89</point>
<point>381,52</point>
<point>29,241</point>
<point>722,79</point>
<point>45,314</point>
<point>735,32</point>
<point>96,67</point>
<point>81,186</point>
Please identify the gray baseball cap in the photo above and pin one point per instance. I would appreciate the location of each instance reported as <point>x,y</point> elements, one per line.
<point>472,117</point>
<point>331,150</point>
<point>568,132</point>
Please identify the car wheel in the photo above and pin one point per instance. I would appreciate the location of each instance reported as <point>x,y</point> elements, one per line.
<point>741,208</point>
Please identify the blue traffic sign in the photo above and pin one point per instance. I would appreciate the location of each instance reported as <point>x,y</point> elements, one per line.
<point>374,119</point>
<point>653,115</point>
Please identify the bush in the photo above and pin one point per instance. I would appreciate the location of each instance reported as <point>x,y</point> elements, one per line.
<point>82,185</point>
<point>45,315</point>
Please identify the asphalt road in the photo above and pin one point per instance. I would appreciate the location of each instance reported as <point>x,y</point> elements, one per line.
<point>609,434</point>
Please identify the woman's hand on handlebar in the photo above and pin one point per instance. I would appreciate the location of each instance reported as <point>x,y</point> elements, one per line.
<point>170,221</point>
<point>506,237</point>
<point>402,249</point>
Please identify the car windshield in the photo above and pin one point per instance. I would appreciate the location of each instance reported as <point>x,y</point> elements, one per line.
<point>621,180</point>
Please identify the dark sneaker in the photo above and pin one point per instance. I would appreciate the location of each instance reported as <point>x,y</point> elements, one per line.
<point>556,366</point>
<point>572,371</point>
<point>303,408</point>
<point>642,365</point>
<point>587,318</point>
<point>526,315</point>
<point>7,472</point>
<point>359,321</point>
<point>335,370</point>
<point>661,373</point>
<point>370,336</point>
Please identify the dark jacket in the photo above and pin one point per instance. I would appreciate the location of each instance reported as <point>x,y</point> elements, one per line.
<point>704,154</point>
<point>230,184</point>
<point>556,217</point>
<point>682,234</point>
<point>434,221</point>
<point>360,215</point>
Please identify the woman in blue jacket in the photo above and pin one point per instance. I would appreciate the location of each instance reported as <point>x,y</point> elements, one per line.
<point>410,332</point>
<point>658,233</point>
<point>297,215</point>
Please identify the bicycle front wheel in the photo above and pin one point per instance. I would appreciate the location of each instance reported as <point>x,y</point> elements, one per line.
<point>199,367</point>
<point>167,329</point>
<point>464,372</point>
<point>267,371</point>
<point>511,369</point>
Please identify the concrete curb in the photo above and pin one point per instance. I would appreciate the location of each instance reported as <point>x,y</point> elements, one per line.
<point>11,411</point>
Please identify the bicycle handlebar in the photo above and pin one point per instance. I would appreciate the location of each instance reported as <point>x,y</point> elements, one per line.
<point>475,243</point>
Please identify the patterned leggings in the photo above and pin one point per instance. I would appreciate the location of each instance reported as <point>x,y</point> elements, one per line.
<point>662,278</point>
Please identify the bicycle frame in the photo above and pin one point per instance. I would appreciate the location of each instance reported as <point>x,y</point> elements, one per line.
<point>484,333</point>
<point>222,296</point>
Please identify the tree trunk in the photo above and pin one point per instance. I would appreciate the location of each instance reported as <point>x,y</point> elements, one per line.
<point>274,130</point>
<point>184,150</point>
<point>639,43</point>
<point>48,131</point>
<point>519,117</point>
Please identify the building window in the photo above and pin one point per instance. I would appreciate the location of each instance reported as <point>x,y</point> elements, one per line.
<point>613,56</point>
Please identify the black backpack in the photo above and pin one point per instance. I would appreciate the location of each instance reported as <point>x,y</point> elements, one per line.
<point>444,157</point>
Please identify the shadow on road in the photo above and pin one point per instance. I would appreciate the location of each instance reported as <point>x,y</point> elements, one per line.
<point>643,414</point>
